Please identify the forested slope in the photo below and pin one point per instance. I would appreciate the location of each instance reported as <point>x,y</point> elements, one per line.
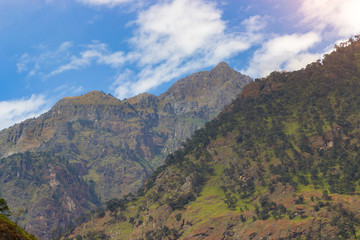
<point>282,161</point>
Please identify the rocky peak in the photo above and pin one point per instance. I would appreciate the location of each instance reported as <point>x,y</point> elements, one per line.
<point>91,98</point>
<point>223,66</point>
<point>90,106</point>
<point>206,89</point>
<point>207,81</point>
<point>143,100</point>
<point>223,69</point>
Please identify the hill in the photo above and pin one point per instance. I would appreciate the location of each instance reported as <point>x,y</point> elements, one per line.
<point>281,162</point>
<point>89,149</point>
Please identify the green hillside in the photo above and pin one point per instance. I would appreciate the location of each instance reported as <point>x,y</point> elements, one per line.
<point>281,162</point>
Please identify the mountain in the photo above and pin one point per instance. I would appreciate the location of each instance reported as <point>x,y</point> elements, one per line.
<point>280,162</point>
<point>9,231</point>
<point>89,149</point>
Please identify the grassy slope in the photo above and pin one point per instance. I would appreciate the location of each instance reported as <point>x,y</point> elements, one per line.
<point>9,230</point>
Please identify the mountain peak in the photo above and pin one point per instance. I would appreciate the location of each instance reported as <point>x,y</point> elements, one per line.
<point>221,68</point>
<point>222,65</point>
<point>143,98</point>
<point>93,97</point>
<point>205,89</point>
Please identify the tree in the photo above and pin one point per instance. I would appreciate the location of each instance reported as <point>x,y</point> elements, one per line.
<point>230,201</point>
<point>4,209</point>
<point>114,205</point>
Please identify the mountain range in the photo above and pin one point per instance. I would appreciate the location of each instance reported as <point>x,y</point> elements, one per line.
<point>89,149</point>
<point>280,162</point>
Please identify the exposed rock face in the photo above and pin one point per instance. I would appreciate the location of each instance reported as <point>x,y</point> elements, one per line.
<point>92,148</point>
<point>196,99</point>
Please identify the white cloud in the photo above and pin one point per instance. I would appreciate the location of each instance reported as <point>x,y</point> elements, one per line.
<point>301,60</point>
<point>181,26</point>
<point>171,38</point>
<point>47,59</point>
<point>334,17</point>
<point>329,20</point>
<point>115,59</point>
<point>15,111</point>
<point>289,52</point>
<point>109,3</point>
<point>255,23</point>
<point>174,38</point>
<point>39,63</point>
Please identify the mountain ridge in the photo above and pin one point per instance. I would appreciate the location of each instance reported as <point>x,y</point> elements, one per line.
<point>92,148</point>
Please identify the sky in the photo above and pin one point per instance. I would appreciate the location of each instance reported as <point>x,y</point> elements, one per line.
<point>50,49</point>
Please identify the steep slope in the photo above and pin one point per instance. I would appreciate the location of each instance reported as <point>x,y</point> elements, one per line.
<point>9,231</point>
<point>92,148</point>
<point>196,99</point>
<point>281,162</point>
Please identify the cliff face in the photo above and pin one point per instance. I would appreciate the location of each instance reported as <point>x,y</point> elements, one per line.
<point>92,148</point>
<point>197,99</point>
<point>281,162</point>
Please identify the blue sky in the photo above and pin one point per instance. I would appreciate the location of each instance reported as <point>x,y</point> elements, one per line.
<point>55,48</point>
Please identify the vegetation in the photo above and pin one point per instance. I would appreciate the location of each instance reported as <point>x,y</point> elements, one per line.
<point>9,230</point>
<point>4,209</point>
<point>284,154</point>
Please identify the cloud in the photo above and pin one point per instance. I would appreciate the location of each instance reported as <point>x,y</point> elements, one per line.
<point>174,38</point>
<point>289,52</point>
<point>63,59</point>
<point>329,21</point>
<point>37,64</point>
<point>170,39</point>
<point>109,3</point>
<point>334,17</point>
<point>96,52</point>
<point>255,23</point>
<point>15,111</point>
<point>118,86</point>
